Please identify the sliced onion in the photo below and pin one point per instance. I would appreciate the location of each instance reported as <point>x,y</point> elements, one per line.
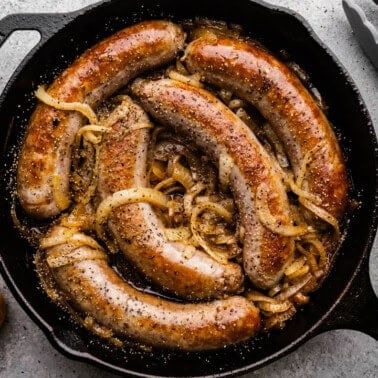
<point>299,272</point>
<point>255,296</point>
<point>189,251</point>
<point>278,320</point>
<point>127,196</point>
<point>158,169</point>
<point>270,222</point>
<point>300,299</point>
<point>182,175</point>
<point>226,163</point>
<point>189,197</point>
<point>165,183</point>
<point>80,107</point>
<point>294,288</point>
<point>274,307</point>
<point>297,264</point>
<point>57,260</point>
<point>68,237</point>
<point>220,211</point>
<point>174,207</point>
<point>321,250</point>
<point>60,196</point>
<point>236,103</point>
<point>321,213</point>
<point>177,234</point>
<point>274,290</point>
<point>213,207</point>
<point>87,133</point>
<point>311,260</point>
<point>224,239</point>
<point>302,193</point>
<point>307,159</point>
<point>193,80</point>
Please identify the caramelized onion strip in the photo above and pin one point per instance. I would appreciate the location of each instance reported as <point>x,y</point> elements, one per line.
<point>80,107</point>
<point>79,254</point>
<point>127,196</point>
<point>270,222</point>
<point>321,213</point>
<point>220,211</point>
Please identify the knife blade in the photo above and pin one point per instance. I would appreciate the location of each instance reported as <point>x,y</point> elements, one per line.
<point>364,30</point>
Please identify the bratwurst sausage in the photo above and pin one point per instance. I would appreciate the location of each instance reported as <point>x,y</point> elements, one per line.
<point>83,273</point>
<point>212,126</point>
<point>45,159</point>
<point>256,76</point>
<point>137,229</point>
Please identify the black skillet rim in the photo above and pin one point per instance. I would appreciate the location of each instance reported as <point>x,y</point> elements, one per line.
<point>85,356</point>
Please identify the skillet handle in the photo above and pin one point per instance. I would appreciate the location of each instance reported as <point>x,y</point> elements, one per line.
<point>46,23</point>
<point>358,308</point>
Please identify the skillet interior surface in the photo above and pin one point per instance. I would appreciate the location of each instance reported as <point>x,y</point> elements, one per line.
<point>274,29</point>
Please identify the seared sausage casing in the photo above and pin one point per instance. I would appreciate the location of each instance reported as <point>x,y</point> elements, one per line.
<point>137,229</point>
<point>212,126</point>
<point>258,77</point>
<point>99,72</point>
<point>95,289</point>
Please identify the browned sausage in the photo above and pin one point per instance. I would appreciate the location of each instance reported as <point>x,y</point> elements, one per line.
<point>206,120</point>
<point>99,72</point>
<point>95,289</point>
<point>137,229</point>
<point>256,76</point>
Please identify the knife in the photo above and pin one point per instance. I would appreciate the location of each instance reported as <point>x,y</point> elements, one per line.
<point>365,31</point>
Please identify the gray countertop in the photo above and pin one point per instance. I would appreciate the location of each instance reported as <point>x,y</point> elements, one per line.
<point>25,351</point>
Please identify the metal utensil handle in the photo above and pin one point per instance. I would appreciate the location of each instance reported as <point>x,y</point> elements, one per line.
<point>358,307</point>
<point>46,23</point>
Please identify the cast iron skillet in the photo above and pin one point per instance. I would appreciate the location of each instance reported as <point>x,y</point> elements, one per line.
<point>346,300</point>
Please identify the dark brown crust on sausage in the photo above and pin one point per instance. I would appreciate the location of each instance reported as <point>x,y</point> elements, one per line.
<point>99,72</point>
<point>213,127</point>
<point>136,228</point>
<point>255,75</point>
<point>97,290</point>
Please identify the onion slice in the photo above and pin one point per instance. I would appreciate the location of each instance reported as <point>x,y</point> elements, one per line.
<point>57,260</point>
<point>87,133</point>
<point>80,107</point>
<point>294,288</point>
<point>321,213</point>
<point>226,163</point>
<point>68,236</point>
<point>193,80</point>
<point>127,196</point>
<point>270,222</point>
<point>60,196</point>
<point>177,234</point>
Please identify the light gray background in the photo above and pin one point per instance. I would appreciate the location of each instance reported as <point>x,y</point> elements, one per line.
<point>24,350</point>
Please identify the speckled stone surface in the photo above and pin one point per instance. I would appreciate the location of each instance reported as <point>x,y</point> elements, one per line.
<point>24,350</point>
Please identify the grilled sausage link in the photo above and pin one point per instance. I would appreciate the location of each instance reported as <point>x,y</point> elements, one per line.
<point>256,76</point>
<point>216,129</point>
<point>95,289</point>
<point>45,159</point>
<point>137,229</point>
